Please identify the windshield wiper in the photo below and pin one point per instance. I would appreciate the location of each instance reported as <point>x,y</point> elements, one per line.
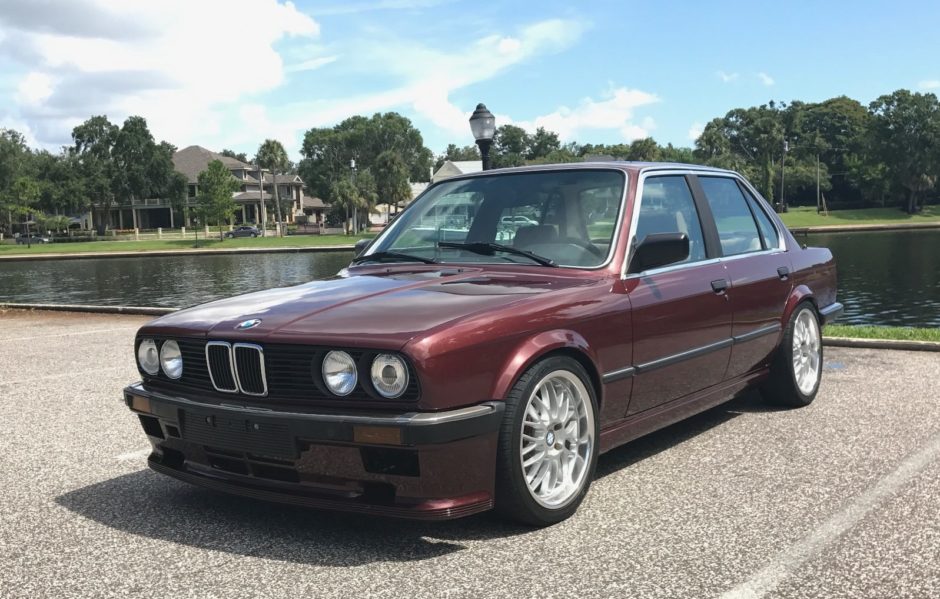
<point>489,248</point>
<point>393,256</point>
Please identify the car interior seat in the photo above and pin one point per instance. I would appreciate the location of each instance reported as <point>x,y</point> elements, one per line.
<point>534,235</point>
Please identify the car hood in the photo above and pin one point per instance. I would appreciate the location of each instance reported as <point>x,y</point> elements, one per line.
<point>384,308</point>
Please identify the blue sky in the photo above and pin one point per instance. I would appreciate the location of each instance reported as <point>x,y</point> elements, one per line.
<point>227,73</point>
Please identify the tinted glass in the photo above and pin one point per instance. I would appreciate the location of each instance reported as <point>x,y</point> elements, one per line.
<point>737,230</point>
<point>567,216</point>
<point>667,207</point>
<point>767,230</point>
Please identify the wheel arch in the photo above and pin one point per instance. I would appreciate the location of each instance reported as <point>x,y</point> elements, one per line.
<point>800,294</point>
<point>544,345</point>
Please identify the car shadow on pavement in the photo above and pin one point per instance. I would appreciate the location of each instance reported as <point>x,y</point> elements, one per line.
<point>154,506</point>
<point>667,438</point>
<point>147,504</point>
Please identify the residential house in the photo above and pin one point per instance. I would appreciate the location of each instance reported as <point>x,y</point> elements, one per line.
<point>254,198</point>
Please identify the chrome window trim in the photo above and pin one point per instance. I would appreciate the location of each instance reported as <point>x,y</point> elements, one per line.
<point>618,226</point>
<point>264,375</point>
<point>231,361</point>
<point>634,217</point>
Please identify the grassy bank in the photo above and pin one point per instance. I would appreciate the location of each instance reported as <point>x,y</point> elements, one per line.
<point>807,217</point>
<point>182,244</point>
<point>876,332</point>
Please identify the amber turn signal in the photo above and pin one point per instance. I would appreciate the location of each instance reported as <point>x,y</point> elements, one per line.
<point>383,435</point>
<point>140,404</point>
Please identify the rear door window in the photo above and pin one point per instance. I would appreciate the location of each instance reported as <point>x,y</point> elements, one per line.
<point>737,230</point>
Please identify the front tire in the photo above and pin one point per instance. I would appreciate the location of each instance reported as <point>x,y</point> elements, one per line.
<point>547,444</point>
<point>796,370</point>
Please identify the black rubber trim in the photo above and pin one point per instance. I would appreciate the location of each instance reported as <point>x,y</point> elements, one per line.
<point>757,333</point>
<point>683,356</point>
<point>620,373</point>
<point>417,428</point>
<point>831,312</point>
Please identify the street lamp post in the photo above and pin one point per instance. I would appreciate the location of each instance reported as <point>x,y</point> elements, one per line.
<point>483,126</point>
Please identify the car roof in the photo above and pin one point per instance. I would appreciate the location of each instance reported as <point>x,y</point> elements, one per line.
<point>621,165</point>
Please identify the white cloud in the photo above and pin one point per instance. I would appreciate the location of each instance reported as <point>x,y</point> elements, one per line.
<point>726,77</point>
<point>34,88</point>
<point>427,77</point>
<point>695,131</point>
<point>311,64</point>
<point>190,59</point>
<point>765,79</point>
<point>929,84</point>
<point>614,111</point>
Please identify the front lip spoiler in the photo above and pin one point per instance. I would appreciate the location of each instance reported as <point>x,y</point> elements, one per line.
<point>831,312</point>
<point>417,428</point>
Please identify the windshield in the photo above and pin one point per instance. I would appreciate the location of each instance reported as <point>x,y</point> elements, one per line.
<point>566,218</point>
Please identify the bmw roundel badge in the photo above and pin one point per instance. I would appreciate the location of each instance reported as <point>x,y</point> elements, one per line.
<point>248,324</point>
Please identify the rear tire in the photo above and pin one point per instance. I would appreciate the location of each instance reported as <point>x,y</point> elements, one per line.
<point>548,443</point>
<point>796,369</point>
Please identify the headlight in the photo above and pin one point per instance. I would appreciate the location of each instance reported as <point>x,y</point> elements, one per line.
<point>389,375</point>
<point>171,360</point>
<point>339,373</point>
<point>148,357</point>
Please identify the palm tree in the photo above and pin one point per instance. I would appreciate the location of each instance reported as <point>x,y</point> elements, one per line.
<point>272,156</point>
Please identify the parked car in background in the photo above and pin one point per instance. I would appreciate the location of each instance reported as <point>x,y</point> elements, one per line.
<point>244,231</point>
<point>517,221</point>
<point>32,238</point>
<point>437,377</point>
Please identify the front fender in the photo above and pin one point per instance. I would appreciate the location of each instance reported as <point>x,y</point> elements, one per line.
<point>528,351</point>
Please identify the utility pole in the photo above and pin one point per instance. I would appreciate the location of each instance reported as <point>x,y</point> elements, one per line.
<point>783,174</point>
<point>817,182</point>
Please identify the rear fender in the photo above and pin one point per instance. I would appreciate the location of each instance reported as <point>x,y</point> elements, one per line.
<point>800,293</point>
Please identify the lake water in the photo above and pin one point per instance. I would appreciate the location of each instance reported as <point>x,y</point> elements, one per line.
<point>890,278</point>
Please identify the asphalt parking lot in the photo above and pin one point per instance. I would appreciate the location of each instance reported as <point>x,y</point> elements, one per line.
<point>840,499</point>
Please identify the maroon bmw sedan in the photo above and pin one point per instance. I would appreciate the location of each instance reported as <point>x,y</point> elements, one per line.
<point>482,352</point>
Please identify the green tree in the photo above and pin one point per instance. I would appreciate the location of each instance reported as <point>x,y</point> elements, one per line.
<point>542,143</point>
<point>93,146</point>
<point>272,156</point>
<point>391,179</point>
<point>216,186</point>
<point>510,146</point>
<point>344,196</point>
<point>240,156</point>
<point>14,155</point>
<point>457,154</point>
<point>905,135</point>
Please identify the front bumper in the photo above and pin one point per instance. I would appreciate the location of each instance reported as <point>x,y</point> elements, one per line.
<point>424,465</point>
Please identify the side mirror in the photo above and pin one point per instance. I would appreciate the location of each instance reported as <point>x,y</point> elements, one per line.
<point>659,249</point>
<point>361,246</point>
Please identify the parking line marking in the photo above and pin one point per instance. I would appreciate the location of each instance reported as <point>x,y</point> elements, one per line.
<point>94,332</point>
<point>62,375</point>
<point>134,455</point>
<point>784,563</point>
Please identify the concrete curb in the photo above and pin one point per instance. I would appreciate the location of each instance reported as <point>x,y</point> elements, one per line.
<point>159,253</point>
<point>882,344</point>
<point>139,310</point>
<point>872,227</point>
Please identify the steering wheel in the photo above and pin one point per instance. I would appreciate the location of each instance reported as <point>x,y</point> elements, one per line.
<point>586,245</point>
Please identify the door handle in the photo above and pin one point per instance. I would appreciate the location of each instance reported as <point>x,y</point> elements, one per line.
<point>783,272</point>
<point>720,285</point>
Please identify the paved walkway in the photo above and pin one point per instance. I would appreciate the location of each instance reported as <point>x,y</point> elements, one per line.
<point>836,500</point>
